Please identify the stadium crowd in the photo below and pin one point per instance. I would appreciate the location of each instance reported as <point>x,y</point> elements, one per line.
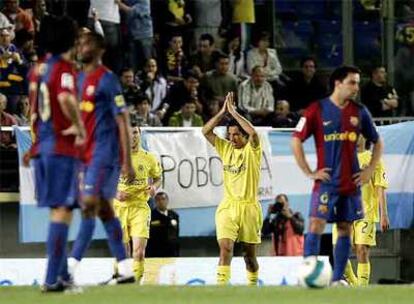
<point>176,62</point>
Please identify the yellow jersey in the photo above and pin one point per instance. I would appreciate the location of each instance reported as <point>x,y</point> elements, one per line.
<point>243,11</point>
<point>146,166</point>
<point>370,199</point>
<point>241,170</point>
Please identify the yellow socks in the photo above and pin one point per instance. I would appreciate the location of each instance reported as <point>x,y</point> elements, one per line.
<point>223,274</point>
<point>252,278</point>
<point>350,275</point>
<point>138,268</point>
<point>364,272</point>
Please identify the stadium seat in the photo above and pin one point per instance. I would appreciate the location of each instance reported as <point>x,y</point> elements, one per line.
<point>367,39</point>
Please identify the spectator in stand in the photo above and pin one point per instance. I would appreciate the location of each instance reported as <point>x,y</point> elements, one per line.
<point>176,18</point>
<point>207,23</point>
<point>109,17</point>
<point>187,116</point>
<point>164,229</point>
<point>306,87</point>
<point>203,60</point>
<point>187,89</point>
<point>5,24</point>
<point>219,81</point>
<point>6,120</point>
<point>380,98</point>
<point>282,117</point>
<point>142,116</point>
<point>130,88</point>
<point>24,41</point>
<point>174,60</point>
<point>12,70</point>
<point>154,85</point>
<point>17,16</point>
<point>256,96</point>
<point>212,107</point>
<point>236,57</point>
<point>23,111</point>
<point>39,11</point>
<point>262,55</point>
<point>140,30</point>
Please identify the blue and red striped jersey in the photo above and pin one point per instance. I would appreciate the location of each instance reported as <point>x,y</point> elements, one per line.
<point>101,100</point>
<point>47,80</point>
<point>336,132</point>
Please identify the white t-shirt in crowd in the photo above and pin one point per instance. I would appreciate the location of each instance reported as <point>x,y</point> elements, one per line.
<point>107,10</point>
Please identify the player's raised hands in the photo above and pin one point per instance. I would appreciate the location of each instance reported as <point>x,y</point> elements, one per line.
<point>231,107</point>
<point>321,175</point>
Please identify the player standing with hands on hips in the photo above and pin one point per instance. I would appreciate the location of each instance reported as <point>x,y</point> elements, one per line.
<point>239,215</point>
<point>336,122</point>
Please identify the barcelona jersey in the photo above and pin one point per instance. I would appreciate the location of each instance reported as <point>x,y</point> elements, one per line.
<point>336,132</point>
<point>101,101</point>
<point>47,81</point>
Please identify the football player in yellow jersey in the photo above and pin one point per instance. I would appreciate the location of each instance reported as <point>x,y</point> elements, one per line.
<point>375,210</point>
<point>239,215</point>
<point>131,203</point>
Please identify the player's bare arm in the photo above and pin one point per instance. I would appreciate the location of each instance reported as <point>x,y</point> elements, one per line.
<point>384,221</point>
<point>152,189</point>
<point>122,121</point>
<point>70,109</point>
<point>213,122</point>
<point>299,153</point>
<point>365,175</point>
<point>244,123</point>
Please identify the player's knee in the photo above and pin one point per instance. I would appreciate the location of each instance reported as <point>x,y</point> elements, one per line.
<point>226,249</point>
<point>251,263</point>
<point>344,228</point>
<point>363,253</point>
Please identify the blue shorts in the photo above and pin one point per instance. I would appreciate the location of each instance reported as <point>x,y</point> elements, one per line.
<point>334,207</point>
<point>56,181</point>
<point>101,180</point>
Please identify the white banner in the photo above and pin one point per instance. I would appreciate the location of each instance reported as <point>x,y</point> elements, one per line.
<point>164,271</point>
<point>192,170</point>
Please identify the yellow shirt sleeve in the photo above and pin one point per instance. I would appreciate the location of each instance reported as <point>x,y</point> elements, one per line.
<point>380,176</point>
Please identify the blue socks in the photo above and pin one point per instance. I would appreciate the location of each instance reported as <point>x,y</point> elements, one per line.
<point>312,244</point>
<point>56,250</point>
<point>114,232</point>
<point>84,238</point>
<point>341,255</point>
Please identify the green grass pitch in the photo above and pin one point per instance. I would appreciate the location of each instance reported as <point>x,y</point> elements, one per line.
<point>131,294</point>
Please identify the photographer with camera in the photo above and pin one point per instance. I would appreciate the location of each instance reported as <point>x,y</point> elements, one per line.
<point>286,228</point>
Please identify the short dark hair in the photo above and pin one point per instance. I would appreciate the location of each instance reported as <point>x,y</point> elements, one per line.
<point>220,55</point>
<point>141,97</point>
<point>57,34</point>
<point>190,100</point>
<point>127,69</point>
<point>207,36</point>
<point>234,123</point>
<point>282,195</point>
<point>162,193</point>
<point>375,67</point>
<point>96,38</point>
<point>341,73</point>
<point>307,58</point>
<point>256,67</point>
<point>263,35</point>
<point>190,74</point>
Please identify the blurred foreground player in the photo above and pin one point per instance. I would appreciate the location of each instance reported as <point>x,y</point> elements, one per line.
<point>58,132</point>
<point>336,122</point>
<point>107,151</point>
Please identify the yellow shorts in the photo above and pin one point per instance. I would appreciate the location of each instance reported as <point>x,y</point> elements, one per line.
<point>239,221</point>
<point>363,233</point>
<point>135,220</point>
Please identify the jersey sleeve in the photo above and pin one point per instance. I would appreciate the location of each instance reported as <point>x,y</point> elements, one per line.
<point>114,92</point>
<point>368,128</point>
<point>306,125</point>
<point>155,169</point>
<point>66,81</point>
<point>380,176</point>
<point>221,145</point>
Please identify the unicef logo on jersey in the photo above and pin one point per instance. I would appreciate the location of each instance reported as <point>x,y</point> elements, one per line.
<point>341,136</point>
